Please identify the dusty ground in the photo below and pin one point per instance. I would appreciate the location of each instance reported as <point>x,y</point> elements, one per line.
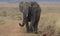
<point>11,28</point>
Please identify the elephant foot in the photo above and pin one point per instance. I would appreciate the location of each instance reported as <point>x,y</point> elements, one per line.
<point>35,32</point>
<point>31,30</point>
<point>28,31</point>
<point>21,24</point>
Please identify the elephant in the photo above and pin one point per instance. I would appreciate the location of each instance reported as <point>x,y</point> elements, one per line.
<point>31,13</point>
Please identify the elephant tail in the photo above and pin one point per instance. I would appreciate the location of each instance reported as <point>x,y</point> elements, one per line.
<point>21,24</point>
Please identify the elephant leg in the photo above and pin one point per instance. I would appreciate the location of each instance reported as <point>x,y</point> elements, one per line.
<point>31,28</point>
<point>35,27</point>
<point>31,25</point>
<point>27,26</point>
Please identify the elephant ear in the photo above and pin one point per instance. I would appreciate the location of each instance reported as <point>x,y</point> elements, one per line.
<point>26,10</point>
<point>21,6</point>
<point>24,7</point>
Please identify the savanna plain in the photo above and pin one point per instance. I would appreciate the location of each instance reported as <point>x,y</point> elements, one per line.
<point>49,23</point>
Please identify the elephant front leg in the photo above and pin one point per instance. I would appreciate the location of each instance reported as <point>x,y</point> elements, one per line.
<point>27,27</point>
<point>35,28</point>
<point>31,28</point>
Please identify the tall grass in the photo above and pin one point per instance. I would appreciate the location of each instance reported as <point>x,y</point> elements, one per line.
<point>12,13</point>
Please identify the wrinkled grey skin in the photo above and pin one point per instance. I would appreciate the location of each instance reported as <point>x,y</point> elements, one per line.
<point>31,13</point>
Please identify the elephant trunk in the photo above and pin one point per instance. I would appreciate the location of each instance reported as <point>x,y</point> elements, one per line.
<point>21,24</point>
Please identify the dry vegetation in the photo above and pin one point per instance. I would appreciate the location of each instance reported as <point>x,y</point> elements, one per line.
<point>49,23</point>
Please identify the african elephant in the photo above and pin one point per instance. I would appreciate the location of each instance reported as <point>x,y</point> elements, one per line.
<point>31,13</point>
